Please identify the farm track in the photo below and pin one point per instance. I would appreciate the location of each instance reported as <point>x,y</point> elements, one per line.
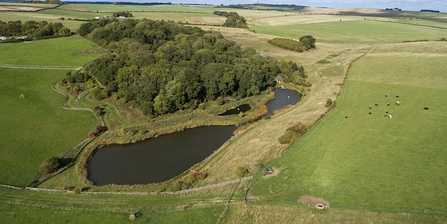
<point>66,107</point>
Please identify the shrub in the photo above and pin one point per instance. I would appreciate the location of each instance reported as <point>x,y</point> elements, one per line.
<point>293,133</point>
<point>328,102</point>
<point>50,165</point>
<point>77,190</point>
<point>240,171</point>
<point>91,134</point>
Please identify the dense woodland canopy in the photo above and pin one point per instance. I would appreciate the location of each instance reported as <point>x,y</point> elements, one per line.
<point>32,29</point>
<point>162,66</point>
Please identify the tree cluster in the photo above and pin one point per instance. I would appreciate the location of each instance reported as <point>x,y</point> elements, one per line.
<point>162,66</point>
<point>305,43</point>
<point>123,14</point>
<point>33,29</point>
<point>233,19</point>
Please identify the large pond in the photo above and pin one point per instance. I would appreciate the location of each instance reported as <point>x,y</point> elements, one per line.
<point>283,97</point>
<point>160,159</point>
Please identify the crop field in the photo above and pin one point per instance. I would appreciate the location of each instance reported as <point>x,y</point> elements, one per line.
<point>369,167</point>
<point>355,159</point>
<point>73,25</point>
<point>136,8</point>
<point>67,51</point>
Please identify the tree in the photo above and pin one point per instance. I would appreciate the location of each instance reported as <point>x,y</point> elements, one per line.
<point>50,165</point>
<point>308,41</point>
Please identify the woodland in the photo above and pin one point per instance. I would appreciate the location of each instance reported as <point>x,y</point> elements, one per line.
<point>163,66</point>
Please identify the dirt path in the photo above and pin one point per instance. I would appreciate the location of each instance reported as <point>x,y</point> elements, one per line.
<point>66,107</point>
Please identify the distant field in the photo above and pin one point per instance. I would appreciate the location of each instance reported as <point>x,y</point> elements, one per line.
<point>35,127</point>
<point>67,51</point>
<point>27,5</point>
<point>357,31</point>
<point>41,16</point>
<point>368,160</point>
<point>135,8</point>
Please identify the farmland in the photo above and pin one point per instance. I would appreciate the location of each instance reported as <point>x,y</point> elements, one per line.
<point>370,168</point>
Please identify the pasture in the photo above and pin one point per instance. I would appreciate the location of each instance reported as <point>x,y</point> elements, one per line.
<point>67,51</point>
<point>35,127</point>
<point>354,159</point>
<point>353,31</point>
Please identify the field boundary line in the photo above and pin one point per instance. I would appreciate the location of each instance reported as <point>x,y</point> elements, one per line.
<point>77,68</point>
<point>239,180</point>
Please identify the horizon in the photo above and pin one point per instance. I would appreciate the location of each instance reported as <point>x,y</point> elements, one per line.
<point>404,5</point>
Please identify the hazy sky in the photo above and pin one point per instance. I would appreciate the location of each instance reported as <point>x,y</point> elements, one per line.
<point>412,5</point>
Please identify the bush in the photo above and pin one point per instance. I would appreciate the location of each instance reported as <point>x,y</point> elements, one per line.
<point>240,171</point>
<point>50,165</point>
<point>328,102</point>
<point>77,190</point>
<point>91,134</point>
<point>293,133</point>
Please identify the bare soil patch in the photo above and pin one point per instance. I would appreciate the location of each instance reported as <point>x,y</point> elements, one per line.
<point>19,8</point>
<point>274,174</point>
<point>213,20</point>
<point>313,201</point>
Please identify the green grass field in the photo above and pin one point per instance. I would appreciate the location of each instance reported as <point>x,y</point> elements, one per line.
<point>370,168</point>
<point>357,31</point>
<point>368,160</point>
<point>35,127</point>
<point>68,51</point>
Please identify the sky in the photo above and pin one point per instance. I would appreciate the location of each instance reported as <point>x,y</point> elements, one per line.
<point>406,5</point>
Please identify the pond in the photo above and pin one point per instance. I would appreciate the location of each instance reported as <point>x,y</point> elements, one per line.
<point>283,97</point>
<point>158,159</point>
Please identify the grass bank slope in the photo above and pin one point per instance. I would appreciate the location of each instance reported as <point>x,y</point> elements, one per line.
<point>35,127</point>
<point>354,159</point>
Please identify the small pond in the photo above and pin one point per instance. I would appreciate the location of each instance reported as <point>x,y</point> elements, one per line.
<point>156,160</point>
<point>241,108</point>
<point>283,97</point>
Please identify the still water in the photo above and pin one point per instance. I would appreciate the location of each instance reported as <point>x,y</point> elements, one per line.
<point>160,159</point>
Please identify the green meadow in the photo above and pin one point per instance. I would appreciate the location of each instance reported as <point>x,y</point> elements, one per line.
<point>67,51</point>
<point>36,127</point>
<point>355,159</point>
<point>357,31</point>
